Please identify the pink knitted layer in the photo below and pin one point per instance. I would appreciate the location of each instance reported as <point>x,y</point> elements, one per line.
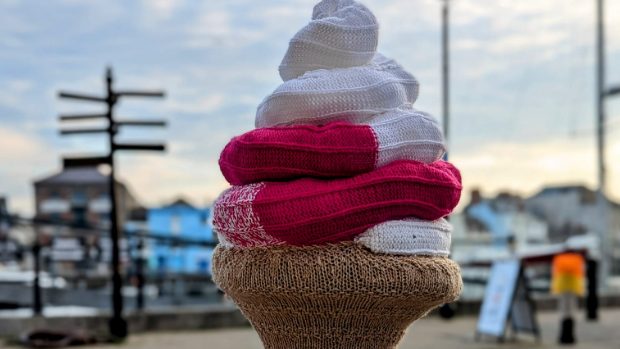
<point>335,150</point>
<point>312,211</point>
<point>283,153</point>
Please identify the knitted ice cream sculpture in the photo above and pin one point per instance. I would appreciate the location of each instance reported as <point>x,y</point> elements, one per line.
<point>332,235</point>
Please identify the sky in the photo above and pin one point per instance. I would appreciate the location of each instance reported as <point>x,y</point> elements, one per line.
<point>522,85</point>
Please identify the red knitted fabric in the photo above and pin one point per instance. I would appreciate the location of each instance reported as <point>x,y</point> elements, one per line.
<point>283,153</point>
<point>312,211</point>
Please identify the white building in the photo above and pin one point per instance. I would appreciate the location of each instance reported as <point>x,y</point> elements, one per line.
<point>576,210</point>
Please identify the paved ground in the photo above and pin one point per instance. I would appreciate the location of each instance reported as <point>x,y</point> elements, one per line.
<point>428,333</point>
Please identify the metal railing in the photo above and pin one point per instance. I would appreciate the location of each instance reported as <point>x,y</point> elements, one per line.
<point>140,267</point>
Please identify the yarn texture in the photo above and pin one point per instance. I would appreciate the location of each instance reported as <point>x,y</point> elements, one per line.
<point>311,211</point>
<point>284,153</point>
<point>334,296</point>
<point>335,150</point>
<point>341,34</point>
<point>353,95</point>
<point>410,236</point>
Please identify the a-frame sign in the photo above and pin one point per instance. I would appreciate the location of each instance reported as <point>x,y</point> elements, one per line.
<point>507,299</point>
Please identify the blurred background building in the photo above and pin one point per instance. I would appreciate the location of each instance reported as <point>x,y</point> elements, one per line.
<point>80,195</point>
<point>181,219</point>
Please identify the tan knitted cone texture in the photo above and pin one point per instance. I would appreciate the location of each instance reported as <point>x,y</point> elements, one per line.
<point>335,296</point>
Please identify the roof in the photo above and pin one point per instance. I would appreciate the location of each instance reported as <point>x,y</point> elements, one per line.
<point>181,202</point>
<point>563,189</point>
<point>75,175</point>
<point>584,191</point>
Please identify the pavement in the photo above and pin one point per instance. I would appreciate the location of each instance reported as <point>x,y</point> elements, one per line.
<point>428,333</point>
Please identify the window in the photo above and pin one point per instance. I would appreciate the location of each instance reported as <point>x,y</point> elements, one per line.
<point>79,216</point>
<point>175,224</point>
<point>78,198</point>
<point>55,218</point>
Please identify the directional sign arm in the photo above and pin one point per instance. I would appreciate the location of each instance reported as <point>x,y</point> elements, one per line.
<point>81,97</point>
<point>140,123</point>
<point>154,147</point>
<point>82,131</point>
<point>81,162</point>
<point>82,117</point>
<point>613,91</point>
<point>140,93</point>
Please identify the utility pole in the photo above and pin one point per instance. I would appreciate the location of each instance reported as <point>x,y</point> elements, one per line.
<point>445,40</point>
<point>446,310</point>
<point>600,94</point>
<point>117,325</point>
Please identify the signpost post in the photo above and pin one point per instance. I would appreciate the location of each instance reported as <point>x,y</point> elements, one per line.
<point>118,325</point>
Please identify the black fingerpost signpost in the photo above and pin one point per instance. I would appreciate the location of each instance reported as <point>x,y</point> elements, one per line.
<point>117,325</point>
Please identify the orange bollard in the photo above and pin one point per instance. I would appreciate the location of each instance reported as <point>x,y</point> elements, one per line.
<point>568,282</point>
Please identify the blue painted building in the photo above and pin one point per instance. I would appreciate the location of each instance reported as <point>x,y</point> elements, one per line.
<point>180,219</point>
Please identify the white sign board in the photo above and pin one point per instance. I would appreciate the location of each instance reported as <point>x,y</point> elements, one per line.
<point>99,205</point>
<point>523,315</point>
<point>67,249</point>
<point>55,206</point>
<point>498,298</point>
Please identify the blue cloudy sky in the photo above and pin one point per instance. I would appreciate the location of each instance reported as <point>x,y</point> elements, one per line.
<point>522,92</point>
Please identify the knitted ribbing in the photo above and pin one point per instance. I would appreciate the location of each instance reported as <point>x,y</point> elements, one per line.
<point>311,211</point>
<point>352,95</point>
<point>335,150</point>
<point>407,134</point>
<point>335,296</point>
<point>284,153</point>
<point>410,236</point>
<point>342,34</point>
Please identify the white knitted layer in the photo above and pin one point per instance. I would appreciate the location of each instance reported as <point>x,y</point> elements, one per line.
<point>410,236</point>
<point>406,133</point>
<point>342,34</point>
<point>349,94</point>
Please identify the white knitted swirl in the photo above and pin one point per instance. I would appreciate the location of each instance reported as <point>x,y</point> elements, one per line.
<point>405,133</point>
<point>332,72</point>
<point>410,236</point>
<point>348,94</point>
<point>342,34</point>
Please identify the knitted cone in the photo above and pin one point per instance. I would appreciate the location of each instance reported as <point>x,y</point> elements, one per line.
<point>333,296</point>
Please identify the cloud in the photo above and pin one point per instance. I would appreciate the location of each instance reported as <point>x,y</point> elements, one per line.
<point>527,168</point>
<point>158,179</point>
<point>161,10</point>
<point>19,85</point>
<point>23,157</point>
<point>212,23</point>
<point>16,145</point>
<point>204,104</point>
<point>517,42</point>
<point>215,28</point>
<point>14,95</point>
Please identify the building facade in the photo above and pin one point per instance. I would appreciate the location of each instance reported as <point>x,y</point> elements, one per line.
<point>80,196</point>
<point>180,219</point>
<point>577,210</point>
<point>553,216</point>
